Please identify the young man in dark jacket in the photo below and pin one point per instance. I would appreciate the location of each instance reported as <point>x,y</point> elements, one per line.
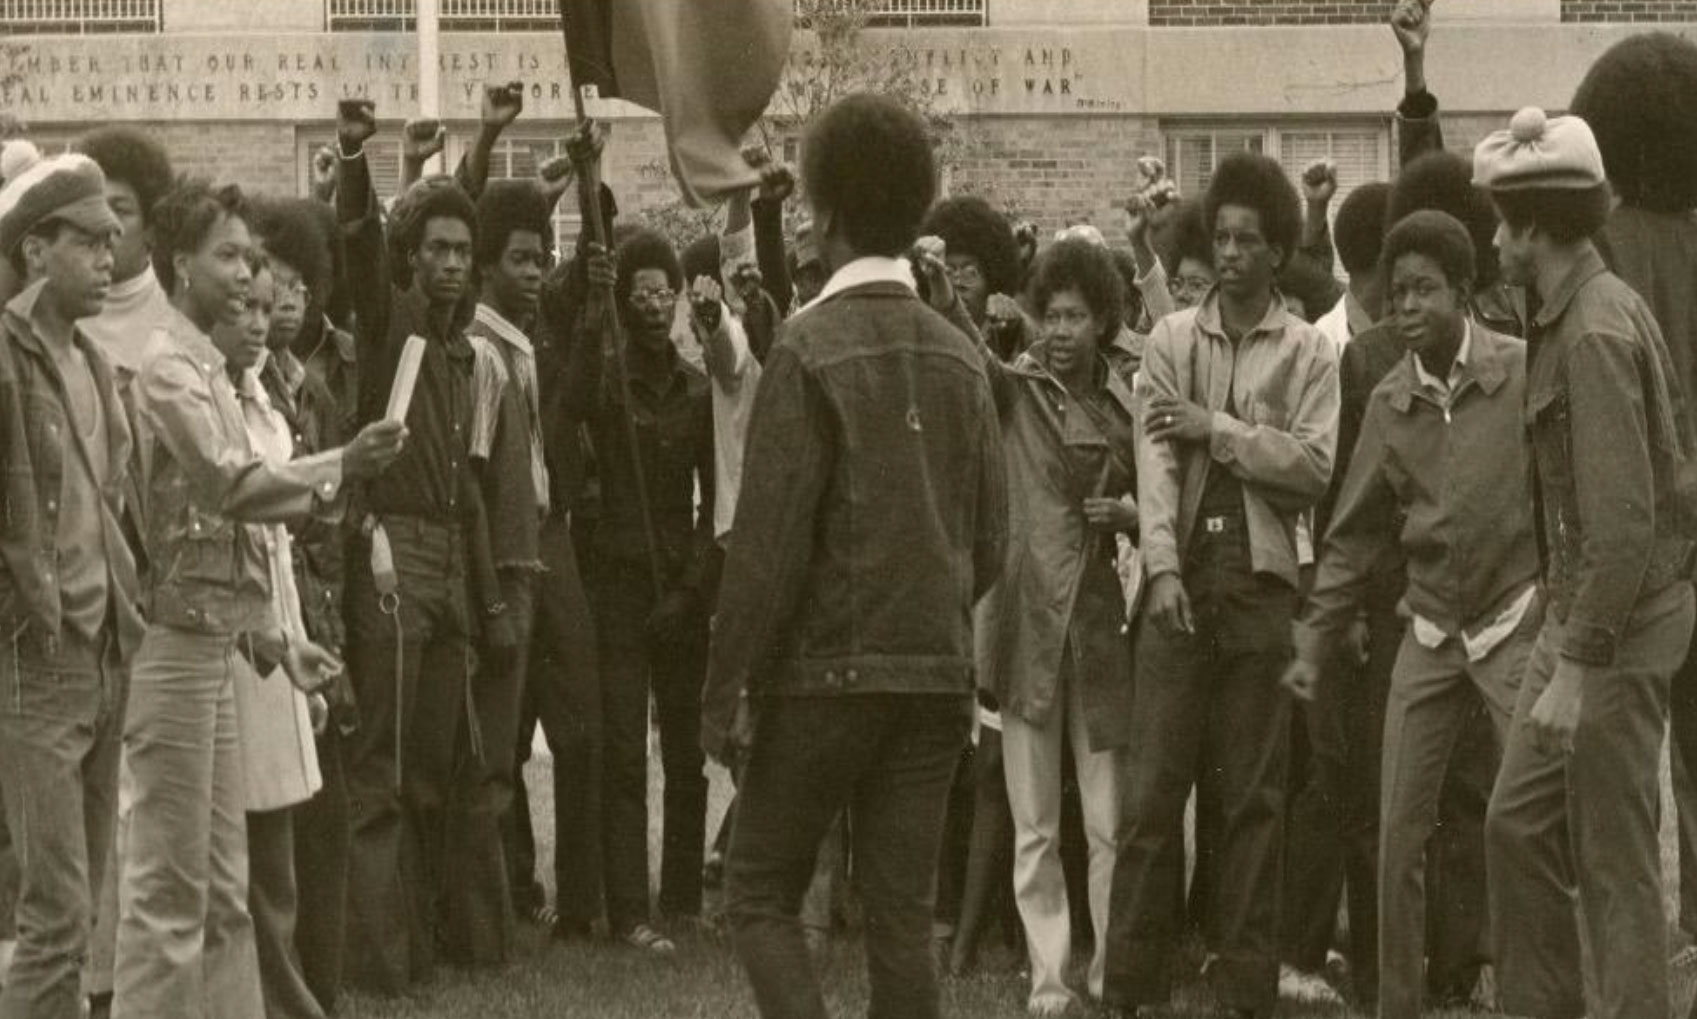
<point>872,516</point>
<point>1441,479</point>
<point>1578,802</point>
<point>421,581</point>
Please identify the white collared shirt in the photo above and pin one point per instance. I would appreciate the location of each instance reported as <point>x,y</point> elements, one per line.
<point>1446,387</point>
<point>868,269</point>
<point>1427,633</point>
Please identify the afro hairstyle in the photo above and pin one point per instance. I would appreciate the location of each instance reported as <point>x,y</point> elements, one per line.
<point>1359,232</point>
<point>293,232</point>
<point>1126,265</point>
<point>1640,99</point>
<point>1440,237</point>
<point>507,207</point>
<point>1076,264</point>
<point>701,258</point>
<point>1186,235</point>
<point>1256,182</point>
<point>645,249</point>
<point>133,157</point>
<point>183,218</point>
<point>1443,182</point>
<point>868,161</point>
<point>435,197</point>
<point>969,226</point>
<point>1567,215</point>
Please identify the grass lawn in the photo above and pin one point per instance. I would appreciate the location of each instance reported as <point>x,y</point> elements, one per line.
<point>604,981</point>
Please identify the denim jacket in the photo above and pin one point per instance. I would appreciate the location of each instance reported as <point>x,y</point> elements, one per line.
<point>34,445</point>
<point>210,572</point>
<point>873,511</point>
<point>1612,451</point>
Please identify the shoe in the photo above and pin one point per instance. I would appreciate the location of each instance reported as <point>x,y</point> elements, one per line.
<point>1050,1006</point>
<point>1307,988</point>
<point>645,938</point>
<point>713,871</point>
<point>542,915</point>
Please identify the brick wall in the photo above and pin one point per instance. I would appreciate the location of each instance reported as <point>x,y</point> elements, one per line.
<point>1053,170</point>
<point>1192,13</point>
<point>1629,10</point>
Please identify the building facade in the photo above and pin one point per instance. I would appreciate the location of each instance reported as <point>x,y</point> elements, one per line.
<point>1049,102</point>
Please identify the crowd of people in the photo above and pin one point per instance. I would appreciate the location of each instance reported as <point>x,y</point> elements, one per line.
<point>980,563</point>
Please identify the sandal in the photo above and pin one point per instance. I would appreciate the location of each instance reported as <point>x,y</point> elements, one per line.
<point>543,915</point>
<point>649,940</point>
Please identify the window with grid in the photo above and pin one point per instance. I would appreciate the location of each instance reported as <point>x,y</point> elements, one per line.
<point>382,155</point>
<point>1360,150</point>
<point>456,15</point>
<point>903,13</point>
<point>78,17</point>
<point>518,157</point>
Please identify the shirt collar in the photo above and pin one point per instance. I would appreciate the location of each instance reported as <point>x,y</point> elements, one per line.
<point>1462,354</point>
<point>861,271</point>
<point>502,328</point>
<point>1208,315</point>
<point>1590,264</point>
<point>23,305</point>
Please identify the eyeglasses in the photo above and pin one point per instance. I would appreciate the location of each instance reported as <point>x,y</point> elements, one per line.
<point>296,289</point>
<point>1180,286</point>
<point>967,272</point>
<point>661,296</point>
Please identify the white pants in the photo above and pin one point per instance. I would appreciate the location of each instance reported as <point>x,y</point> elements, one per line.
<point>1031,760</point>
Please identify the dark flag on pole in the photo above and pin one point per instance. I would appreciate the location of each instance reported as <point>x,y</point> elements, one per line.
<point>708,67</point>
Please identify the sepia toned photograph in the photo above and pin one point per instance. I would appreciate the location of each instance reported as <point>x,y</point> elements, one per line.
<point>797,509</point>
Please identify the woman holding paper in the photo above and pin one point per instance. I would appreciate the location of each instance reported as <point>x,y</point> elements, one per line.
<point>185,937</point>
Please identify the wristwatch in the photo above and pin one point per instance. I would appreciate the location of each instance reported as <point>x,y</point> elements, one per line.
<point>494,609</point>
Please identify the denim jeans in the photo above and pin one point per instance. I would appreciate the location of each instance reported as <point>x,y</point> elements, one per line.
<point>395,861</point>
<point>562,694</point>
<point>185,938</point>
<point>1210,713</point>
<point>887,759</point>
<point>673,667</point>
<point>478,925</point>
<point>1588,822</point>
<point>60,711</point>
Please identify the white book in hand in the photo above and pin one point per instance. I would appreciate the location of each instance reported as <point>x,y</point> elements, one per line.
<point>406,376</point>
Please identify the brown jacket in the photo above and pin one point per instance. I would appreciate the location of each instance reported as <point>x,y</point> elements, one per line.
<point>1059,591</point>
<point>1280,445</point>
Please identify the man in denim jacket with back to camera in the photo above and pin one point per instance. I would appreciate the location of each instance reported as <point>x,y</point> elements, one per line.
<point>1578,800</point>
<point>873,514</point>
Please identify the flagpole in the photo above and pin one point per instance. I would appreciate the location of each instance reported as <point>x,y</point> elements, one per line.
<point>429,67</point>
<point>589,195</point>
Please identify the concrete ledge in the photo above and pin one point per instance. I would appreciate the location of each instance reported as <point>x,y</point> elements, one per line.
<point>1513,12</point>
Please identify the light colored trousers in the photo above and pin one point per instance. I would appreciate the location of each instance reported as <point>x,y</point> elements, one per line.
<point>185,938</point>
<point>1032,762</point>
